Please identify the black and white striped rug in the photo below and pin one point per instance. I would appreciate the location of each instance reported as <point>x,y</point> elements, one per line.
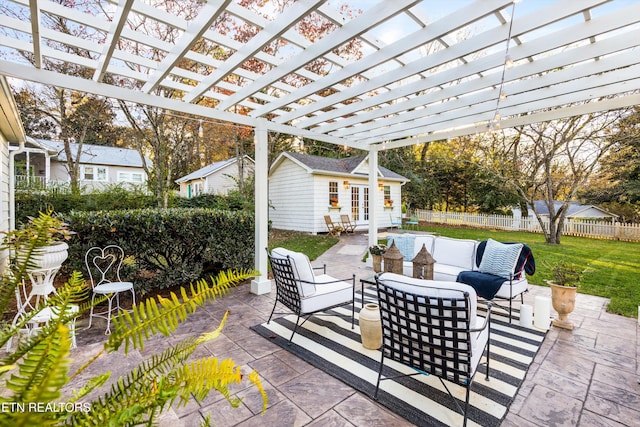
<point>329,343</point>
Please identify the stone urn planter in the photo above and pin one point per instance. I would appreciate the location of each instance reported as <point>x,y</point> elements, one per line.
<point>563,300</point>
<point>47,257</point>
<point>566,277</point>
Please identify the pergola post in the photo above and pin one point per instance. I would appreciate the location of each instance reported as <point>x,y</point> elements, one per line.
<point>261,284</point>
<point>373,195</point>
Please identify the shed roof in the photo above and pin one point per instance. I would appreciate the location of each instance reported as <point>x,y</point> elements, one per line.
<point>328,165</point>
<point>210,169</point>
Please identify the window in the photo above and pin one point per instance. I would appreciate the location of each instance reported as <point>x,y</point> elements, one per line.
<point>94,173</point>
<point>134,177</point>
<point>333,193</point>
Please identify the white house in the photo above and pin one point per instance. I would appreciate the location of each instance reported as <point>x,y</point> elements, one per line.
<point>216,178</point>
<point>11,132</point>
<point>100,165</point>
<point>575,210</point>
<point>304,188</point>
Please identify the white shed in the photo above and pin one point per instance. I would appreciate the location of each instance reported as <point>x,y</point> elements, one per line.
<point>304,188</point>
<point>216,178</point>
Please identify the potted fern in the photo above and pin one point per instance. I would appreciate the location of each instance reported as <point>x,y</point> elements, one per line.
<point>51,250</point>
<point>566,278</point>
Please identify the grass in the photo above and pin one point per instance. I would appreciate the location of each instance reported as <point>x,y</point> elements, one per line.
<point>610,267</point>
<point>313,246</point>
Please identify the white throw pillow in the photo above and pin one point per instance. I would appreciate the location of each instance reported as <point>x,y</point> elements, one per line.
<point>500,258</point>
<point>302,269</point>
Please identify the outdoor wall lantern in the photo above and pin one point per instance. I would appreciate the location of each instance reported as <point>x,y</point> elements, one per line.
<point>345,184</point>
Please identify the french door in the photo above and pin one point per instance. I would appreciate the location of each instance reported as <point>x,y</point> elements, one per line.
<point>360,204</point>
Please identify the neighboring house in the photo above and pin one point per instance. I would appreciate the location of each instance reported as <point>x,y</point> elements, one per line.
<point>45,162</point>
<point>216,178</point>
<point>303,189</point>
<point>11,132</point>
<point>576,210</point>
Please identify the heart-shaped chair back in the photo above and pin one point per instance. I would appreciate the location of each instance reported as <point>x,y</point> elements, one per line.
<point>103,264</point>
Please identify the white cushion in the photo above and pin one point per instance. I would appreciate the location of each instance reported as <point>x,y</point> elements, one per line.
<point>518,287</point>
<point>437,288</point>
<point>327,294</point>
<point>499,258</point>
<point>426,240</point>
<point>445,272</point>
<point>458,252</point>
<point>302,269</point>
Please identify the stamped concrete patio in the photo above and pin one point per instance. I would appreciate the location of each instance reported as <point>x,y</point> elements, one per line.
<point>585,377</point>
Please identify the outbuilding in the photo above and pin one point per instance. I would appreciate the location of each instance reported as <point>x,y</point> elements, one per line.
<point>304,188</point>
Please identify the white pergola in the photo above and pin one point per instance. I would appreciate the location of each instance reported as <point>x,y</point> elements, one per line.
<point>427,70</point>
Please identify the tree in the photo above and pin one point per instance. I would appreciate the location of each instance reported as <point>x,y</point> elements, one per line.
<point>72,117</point>
<point>617,184</point>
<point>551,161</point>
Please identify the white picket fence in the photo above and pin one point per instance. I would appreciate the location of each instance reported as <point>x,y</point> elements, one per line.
<point>572,227</point>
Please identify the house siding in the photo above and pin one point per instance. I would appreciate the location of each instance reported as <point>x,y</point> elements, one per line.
<point>4,184</point>
<point>5,210</point>
<point>225,179</point>
<point>291,203</point>
<point>59,174</point>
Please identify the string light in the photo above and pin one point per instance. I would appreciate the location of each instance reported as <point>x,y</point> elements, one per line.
<point>508,64</point>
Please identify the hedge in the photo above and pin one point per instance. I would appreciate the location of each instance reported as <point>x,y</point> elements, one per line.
<point>167,247</point>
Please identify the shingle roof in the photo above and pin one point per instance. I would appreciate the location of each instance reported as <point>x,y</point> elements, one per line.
<point>96,154</point>
<point>345,165</point>
<point>209,169</point>
<point>574,207</point>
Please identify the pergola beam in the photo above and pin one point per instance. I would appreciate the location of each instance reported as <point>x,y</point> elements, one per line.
<point>271,32</point>
<point>119,21</point>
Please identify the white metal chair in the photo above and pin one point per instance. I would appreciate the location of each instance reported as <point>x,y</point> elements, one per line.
<point>103,265</point>
<point>303,292</point>
<point>432,327</point>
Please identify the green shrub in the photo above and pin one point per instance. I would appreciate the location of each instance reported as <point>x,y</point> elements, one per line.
<point>169,246</point>
<point>60,199</point>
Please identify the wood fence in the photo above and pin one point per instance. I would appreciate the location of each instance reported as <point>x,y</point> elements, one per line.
<point>572,227</point>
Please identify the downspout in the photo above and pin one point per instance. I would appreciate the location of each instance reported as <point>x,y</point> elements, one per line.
<point>12,184</point>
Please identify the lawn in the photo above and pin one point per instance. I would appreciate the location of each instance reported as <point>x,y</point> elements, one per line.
<point>610,267</point>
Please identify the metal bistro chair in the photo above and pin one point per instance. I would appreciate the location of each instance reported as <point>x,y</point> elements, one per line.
<point>432,327</point>
<point>303,292</point>
<point>103,265</point>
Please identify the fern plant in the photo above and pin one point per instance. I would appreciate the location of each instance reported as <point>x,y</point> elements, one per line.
<point>35,373</point>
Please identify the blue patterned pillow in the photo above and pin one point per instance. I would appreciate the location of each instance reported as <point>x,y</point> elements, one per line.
<point>405,245</point>
<point>499,258</point>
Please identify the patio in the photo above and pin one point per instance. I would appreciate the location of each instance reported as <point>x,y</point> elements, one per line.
<point>588,377</point>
